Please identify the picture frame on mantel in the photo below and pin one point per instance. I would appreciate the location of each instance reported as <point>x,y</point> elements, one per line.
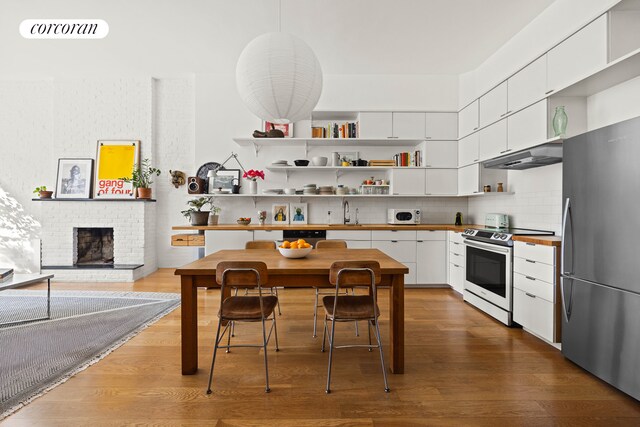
<point>74,178</point>
<point>115,160</point>
<point>280,213</point>
<point>287,128</point>
<point>299,213</point>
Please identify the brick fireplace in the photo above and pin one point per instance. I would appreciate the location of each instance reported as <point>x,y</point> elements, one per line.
<point>98,241</point>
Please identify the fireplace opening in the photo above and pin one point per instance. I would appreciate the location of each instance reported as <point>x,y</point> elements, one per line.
<point>94,247</point>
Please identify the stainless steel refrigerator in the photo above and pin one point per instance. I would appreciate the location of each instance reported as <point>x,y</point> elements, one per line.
<point>601,255</point>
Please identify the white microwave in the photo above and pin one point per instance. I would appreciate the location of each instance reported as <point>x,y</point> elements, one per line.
<point>403,216</point>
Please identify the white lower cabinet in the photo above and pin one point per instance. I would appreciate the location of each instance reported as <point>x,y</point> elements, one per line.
<point>275,235</point>
<point>431,260</point>
<point>358,244</point>
<point>456,277</point>
<point>456,261</point>
<point>399,245</point>
<point>215,240</point>
<point>534,289</point>
<point>349,235</point>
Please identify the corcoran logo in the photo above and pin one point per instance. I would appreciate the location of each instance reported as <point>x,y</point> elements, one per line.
<point>64,29</point>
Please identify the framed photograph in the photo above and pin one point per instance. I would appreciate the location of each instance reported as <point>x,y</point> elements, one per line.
<point>286,129</point>
<point>74,180</point>
<point>280,213</point>
<point>224,179</point>
<point>115,161</point>
<point>298,213</point>
<point>349,155</point>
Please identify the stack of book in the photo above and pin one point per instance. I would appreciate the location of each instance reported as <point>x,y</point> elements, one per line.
<point>382,163</point>
<point>408,159</point>
<point>336,130</point>
<point>5,274</point>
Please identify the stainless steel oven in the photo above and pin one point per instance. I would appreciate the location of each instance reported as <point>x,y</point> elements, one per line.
<point>488,281</point>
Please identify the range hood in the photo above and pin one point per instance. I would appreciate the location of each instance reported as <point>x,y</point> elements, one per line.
<point>540,155</point>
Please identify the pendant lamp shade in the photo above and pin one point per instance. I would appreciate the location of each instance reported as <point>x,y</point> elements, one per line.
<point>279,78</point>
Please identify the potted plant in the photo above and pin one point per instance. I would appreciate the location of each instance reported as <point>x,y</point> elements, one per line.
<point>199,217</point>
<point>141,178</point>
<point>42,192</point>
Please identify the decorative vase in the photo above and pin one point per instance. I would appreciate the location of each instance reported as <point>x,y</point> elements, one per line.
<point>45,194</point>
<point>144,193</point>
<point>213,219</point>
<point>560,121</point>
<point>500,188</point>
<point>253,187</point>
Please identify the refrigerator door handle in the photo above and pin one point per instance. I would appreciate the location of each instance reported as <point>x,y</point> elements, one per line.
<point>566,307</point>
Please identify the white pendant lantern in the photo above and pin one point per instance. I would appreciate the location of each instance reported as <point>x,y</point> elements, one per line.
<point>279,78</point>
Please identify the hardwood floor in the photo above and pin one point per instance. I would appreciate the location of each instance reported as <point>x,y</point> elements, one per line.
<point>462,368</point>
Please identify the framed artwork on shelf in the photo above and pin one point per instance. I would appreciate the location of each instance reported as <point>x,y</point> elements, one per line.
<point>74,179</point>
<point>224,179</point>
<point>348,156</point>
<point>114,163</point>
<point>287,129</point>
<point>280,213</point>
<point>299,213</point>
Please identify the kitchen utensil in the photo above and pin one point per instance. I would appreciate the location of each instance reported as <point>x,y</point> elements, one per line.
<point>301,162</point>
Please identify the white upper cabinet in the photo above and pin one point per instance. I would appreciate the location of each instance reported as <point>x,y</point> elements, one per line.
<point>468,119</point>
<point>376,125</point>
<point>408,181</point>
<point>441,154</point>
<point>469,180</point>
<point>579,56</point>
<point>441,126</point>
<point>528,127</point>
<point>493,105</point>
<point>442,181</point>
<point>493,140</point>
<point>528,85</point>
<point>408,125</point>
<point>468,150</point>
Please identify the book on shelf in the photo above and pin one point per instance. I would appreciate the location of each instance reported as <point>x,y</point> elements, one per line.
<point>336,130</point>
<point>5,274</point>
<point>408,159</point>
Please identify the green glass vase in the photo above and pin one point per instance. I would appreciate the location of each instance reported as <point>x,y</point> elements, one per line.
<point>560,121</point>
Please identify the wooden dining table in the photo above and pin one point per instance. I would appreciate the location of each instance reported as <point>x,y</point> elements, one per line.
<point>308,272</point>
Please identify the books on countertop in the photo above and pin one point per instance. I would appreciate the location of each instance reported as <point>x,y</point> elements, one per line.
<point>5,274</point>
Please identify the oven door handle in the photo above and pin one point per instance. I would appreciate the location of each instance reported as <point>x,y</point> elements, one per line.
<point>487,246</point>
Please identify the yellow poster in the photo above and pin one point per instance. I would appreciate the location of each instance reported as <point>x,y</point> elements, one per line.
<point>115,161</point>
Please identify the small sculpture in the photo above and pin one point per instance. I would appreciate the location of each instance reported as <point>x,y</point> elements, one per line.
<point>178,178</point>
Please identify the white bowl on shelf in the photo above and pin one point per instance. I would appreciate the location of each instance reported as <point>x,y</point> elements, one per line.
<point>319,161</point>
<point>295,253</point>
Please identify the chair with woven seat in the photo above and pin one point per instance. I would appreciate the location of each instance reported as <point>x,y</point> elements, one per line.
<point>349,308</point>
<point>260,308</point>
<point>326,244</point>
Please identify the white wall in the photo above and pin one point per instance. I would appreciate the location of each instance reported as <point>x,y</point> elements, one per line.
<point>614,105</point>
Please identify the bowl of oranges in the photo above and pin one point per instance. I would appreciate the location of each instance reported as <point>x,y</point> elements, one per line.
<point>296,249</point>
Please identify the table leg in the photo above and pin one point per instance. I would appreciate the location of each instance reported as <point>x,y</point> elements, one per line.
<point>396,317</point>
<point>189,325</point>
<point>48,298</point>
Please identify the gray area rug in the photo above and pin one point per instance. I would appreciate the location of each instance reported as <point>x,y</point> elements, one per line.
<point>85,327</point>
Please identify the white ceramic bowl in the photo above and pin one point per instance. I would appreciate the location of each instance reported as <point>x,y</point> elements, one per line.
<point>319,161</point>
<point>295,253</point>
<point>290,191</point>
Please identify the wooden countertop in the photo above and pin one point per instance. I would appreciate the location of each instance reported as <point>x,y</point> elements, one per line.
<point>445,227</point>
<point>540,240</point>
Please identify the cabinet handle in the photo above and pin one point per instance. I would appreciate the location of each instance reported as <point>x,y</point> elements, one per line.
<point>505,151</point>
<point>420,241</point>
<point>456,265</point>
<point>392,137</point>
<point>530,278</point>
<point>475,160</point>
<point>508,112</point>
<point>475,128</point>
<point>394,231</point>
<point>549,91</point>
<point>531,261</point>
<point>529,295</point>
<point>394,241</point>
<point>455,243</point>
<point>428,166</point>
<point>476,192</point>
<point>530,244</point>
<point>427,137</point>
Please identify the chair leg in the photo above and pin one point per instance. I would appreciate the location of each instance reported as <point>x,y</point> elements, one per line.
<point>315,315</point>
<point>324,333</point>
<point>266,364</point>
<point>353,292</point>
<point>233,324</point>
<point>333,332</point>
<point>384,370</point>
<point>213,361</point>
<point>369,330</point>
<point>275,331</point>
<point>274,290</point>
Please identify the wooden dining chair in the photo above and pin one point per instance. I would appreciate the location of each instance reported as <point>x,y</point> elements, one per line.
<point>260,308</point>
<point>264,244</point>
<point>347,308</point>
<point>322,245</point>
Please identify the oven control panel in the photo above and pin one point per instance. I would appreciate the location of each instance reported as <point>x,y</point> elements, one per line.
<point>496,236</point>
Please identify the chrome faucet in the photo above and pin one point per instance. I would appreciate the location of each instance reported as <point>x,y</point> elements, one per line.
<point>346,218</point>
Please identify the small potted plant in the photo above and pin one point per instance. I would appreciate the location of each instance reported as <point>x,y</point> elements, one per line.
<point>252,175</point>
<point>199,217</point>
<point>141,176</point>
<point>42,192</point>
